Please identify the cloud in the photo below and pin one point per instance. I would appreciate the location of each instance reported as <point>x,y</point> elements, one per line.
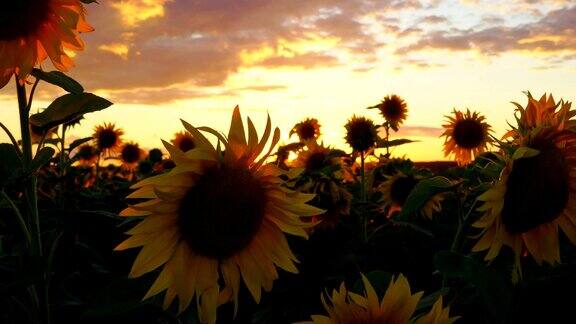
<point>159,43</point>
<point>421,131</point>
<point>434,19</point>
<point>154,96</point>
<point>551,34</point>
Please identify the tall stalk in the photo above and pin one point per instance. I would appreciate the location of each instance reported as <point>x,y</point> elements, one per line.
<point>363,220</point>
<point>30,194</point>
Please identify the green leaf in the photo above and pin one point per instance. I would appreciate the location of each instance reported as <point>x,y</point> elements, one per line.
<point>429,300</point>
<point>10,164</point>
<point>397,142</point>
<point>42,158</point>
<point>494,290</point>
<point>59,79</point>
<point>78,142</point>
<point>67,108</point>
<point>456,265</point>
<point>422,192</point>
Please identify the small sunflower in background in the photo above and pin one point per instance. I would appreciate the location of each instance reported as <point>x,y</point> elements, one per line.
<point>307,130</point>
<point>467,136</point>
<point>283,154</point>
<point>130,155</point>
<point>215,220</point>
<point>34,30</point>
<point>536,191</point>
<point>108,138</point>
<point>184,141</point>
<point>361,134</point>
<point>396,189</point>
<point>394,110</point>
<point>315,157</point>
<point>87,155</point>
<point>397,306</point>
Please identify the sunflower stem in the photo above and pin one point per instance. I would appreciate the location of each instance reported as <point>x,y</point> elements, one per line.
<point>12,139</point>
<point>30,194</point>
<point>387,128</point>
<point>97,183</point>
<point>61,165</point>
<point>462,223</point>
<point>19,217</point>
<point>363,219</point>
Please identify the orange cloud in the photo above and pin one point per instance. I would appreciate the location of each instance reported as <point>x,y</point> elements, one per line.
<point>135,11</point>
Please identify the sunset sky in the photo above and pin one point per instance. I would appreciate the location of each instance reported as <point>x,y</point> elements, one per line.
<point>162,60</point>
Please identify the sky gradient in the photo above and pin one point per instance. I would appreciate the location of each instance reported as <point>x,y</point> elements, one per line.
<point>162,60</point>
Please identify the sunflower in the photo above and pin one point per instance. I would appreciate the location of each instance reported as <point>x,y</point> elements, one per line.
<point>155,155</point>
<point>131,154</point>
<point>361,134</point>
<point>184,141</point>
<point>216,219</point>
<point>467,135</point>
<point>536,191</point>
<point>334,199</point>
<point>33,30</point>
<point>307,130</point>
<point>87,155</point>
<point>393,109</point>
<point>108,138</point>
<point>315,157</point>
<point>397,306</point>
<point>396,189</point>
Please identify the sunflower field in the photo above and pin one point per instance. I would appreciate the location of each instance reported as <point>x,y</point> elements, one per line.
<point>228,226</point>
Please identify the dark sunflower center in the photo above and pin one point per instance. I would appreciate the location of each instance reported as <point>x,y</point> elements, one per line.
<point>306,131</point>
<point>155,155</point>
<point>392,110</point>
<point>86,152</point>
<point>107,138</point>
<point>315,161</point>
<point>130,153</point>
<point>401,188</point>
<point>468,133</point>
<point>537,190</point>
<point>222,213</point>
<point>186,144</point>
<point>168,164</point>
<point>21,18</point>
<point>361,135</point>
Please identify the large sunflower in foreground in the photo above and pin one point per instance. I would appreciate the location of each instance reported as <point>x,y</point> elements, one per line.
<point>396,307</point>
<point>216,219</point>
<point>33,30</point>
<point>467,136</point>
<point>536,192</point>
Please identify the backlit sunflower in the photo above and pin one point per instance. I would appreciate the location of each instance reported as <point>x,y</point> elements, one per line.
<point>396,307</point>
<point>87,155</point>
<point>33,30</point>
<point>396,189</point>
<point>361,134</point>
<point>216,219</point>
<point>184,141</point>
<point>536,192</point>
<point>315,157</point>
<point>307,130</point>
<point>131,154</point>
<point>467,136</point>
<point>393,109</point>
<point>108,138</point>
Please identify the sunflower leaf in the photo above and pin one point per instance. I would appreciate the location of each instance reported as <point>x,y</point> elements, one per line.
<point>422,192</point>
<point>59,79</point>
<point>78,142</point>
<point>396,142</point>
<point>43,157</point>
<point>68,108</point>
<point>10,164</point>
